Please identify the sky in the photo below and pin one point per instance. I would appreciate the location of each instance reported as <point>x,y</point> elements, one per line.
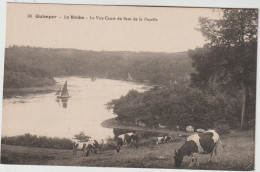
<point>173,30</point>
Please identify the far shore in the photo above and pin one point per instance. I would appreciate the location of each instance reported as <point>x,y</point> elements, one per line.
<point>113,123</point>
<point>11,92</point>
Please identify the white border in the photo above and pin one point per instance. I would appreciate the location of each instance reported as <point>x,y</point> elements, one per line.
<point>180,3</point>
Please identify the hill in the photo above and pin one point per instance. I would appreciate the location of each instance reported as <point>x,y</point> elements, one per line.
<point>149,67</point>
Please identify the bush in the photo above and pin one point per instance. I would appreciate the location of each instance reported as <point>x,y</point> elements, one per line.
<point>179,105</point>
<point>40,142</point>
<point>222,128</point>
<point>110,144</point>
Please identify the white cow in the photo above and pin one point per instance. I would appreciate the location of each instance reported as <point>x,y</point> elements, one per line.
<point>190,128</point>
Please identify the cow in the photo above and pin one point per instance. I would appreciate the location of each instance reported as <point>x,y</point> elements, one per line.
<point>79,146</point>
<point>163,139</point>
<point>167,138</point>
<point>120,139</point>
<point>190,128</point>
<point>126,138</point>
<point>159,140</point>
<point>200,143</point>
<point>91,145</point>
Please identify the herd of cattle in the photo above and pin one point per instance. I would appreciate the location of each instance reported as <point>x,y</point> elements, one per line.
<point>205,142</point>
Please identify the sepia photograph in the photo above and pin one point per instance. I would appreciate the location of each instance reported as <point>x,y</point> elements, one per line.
<point>129,86</point>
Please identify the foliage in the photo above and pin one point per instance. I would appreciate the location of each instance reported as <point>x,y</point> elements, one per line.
<point>179,105</point>
<point>38,141</point>
<point>150,67</point>
<point>110,144</point>
<point>222,128</point>
<point>82,137</point>
<point>230,56</point>
<point>21,76</point>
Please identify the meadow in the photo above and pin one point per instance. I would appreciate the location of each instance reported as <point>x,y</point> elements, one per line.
<point>237,154</point>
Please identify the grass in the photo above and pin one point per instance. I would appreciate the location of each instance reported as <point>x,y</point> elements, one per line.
<point>237,155</point>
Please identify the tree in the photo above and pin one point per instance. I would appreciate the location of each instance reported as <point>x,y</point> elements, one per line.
<point>230,56</point>
<point>82,137</point>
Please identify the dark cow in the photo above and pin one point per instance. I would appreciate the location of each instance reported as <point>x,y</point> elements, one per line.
<point>126,138</point>
<point>120,140</point>
<point>167,138</point>
<point>93,145</point>
<point>202,143</point>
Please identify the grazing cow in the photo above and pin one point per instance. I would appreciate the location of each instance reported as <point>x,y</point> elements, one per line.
<point>201,143</point>
<point>120,139</point>
<point>79,146</point>
<point>167,138</point>
<point>91,145</point>
<point>159,140</point>
<point>119,142</point>
<point>190,128</point>
<point>163,139</point>
<point>126,138</point>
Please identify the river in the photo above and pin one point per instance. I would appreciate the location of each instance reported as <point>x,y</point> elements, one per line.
<point>45,115</point>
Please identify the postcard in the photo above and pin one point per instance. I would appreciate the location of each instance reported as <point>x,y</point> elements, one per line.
<point>144,87</point>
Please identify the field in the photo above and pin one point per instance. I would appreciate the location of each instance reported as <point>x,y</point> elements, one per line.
<point>238,154</point>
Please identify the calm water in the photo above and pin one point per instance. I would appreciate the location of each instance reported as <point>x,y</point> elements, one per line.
<point>44,115</point>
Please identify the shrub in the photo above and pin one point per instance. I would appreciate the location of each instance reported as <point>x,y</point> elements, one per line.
<point>222,128</point>
<point>179,105</point>
<point>40,142</point>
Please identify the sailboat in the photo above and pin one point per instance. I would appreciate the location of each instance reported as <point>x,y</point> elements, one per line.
<point>63,93</point>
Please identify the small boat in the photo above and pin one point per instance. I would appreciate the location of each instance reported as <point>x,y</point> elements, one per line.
<point>63,92</point>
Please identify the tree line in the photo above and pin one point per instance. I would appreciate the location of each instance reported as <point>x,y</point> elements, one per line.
<point>149,67</point>
<point>21,76</point>
<point>222,88</point>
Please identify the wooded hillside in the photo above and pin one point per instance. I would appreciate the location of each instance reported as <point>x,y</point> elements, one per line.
<point>155,68</point>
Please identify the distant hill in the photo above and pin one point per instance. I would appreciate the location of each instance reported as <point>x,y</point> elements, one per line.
<point>150,67</point>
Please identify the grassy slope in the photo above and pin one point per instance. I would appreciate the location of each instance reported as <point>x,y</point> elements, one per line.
<point>238,155</point>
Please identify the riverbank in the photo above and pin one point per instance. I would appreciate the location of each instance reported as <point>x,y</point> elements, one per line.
<point>237,155</point>
<point>116,124</point>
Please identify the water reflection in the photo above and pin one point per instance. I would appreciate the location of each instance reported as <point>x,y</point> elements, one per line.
<point>64,102</point>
